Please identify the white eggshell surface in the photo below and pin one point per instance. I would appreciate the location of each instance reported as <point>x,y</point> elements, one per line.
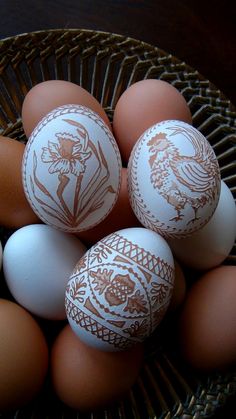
<point>120,289</point>
<point>71,169</point>
<point>210,246</point>
<point>173,179</point>
<point>37,263</point>
<point>0,255</point>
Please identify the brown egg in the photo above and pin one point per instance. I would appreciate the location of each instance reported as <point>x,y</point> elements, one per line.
<point>207,327</point>
<point>48,95</point>
<point>15,210</point>
<point>179,290</point>
<point>122,216</point>
<point>23,356</point>
<point>142,105</point>
<point>85,378</point>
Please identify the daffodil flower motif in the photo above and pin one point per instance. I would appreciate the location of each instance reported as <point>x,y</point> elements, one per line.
<point>66,156</point>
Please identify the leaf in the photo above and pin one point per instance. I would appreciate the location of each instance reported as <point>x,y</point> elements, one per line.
<point>136,303</point>
<point>102,279</point>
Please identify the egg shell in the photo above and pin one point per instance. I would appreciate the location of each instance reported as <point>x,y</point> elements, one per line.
<point>0,255</point>
<point>15,210</point>
<point>142,105</point>
<point>173,179</point>
<point>71,169</point>
<point>87,379</point>
<point>121,216</point>
<point>120,289</point>
<point>206,330</point>
<point>37,263</point>
<point>23,357</point>
<point>48,95</point>
<point>210,246</point>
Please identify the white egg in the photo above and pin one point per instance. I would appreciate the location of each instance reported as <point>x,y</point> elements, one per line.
<point>37,263</point>
<point>71,169</point>
<point>210,246</point>
<point>173,179</point>
<point>120,289</point>
<point>0,255</point>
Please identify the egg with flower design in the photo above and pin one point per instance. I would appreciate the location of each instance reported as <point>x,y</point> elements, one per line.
<point>71,169</point>
<point>120,289</point>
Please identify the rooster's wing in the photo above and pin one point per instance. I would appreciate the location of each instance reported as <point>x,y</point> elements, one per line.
<point>191,173</point>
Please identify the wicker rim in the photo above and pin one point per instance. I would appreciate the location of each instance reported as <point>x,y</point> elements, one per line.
<point>189,395</point>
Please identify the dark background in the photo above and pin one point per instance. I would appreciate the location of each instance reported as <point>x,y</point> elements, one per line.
<point>201,33</point>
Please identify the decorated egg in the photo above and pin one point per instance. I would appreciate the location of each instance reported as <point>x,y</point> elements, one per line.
<point>173,179</point>
<point>120,289</point>
<point>71,169</point>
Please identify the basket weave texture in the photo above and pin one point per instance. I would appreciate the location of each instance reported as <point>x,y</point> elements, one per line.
<point>106,64</point>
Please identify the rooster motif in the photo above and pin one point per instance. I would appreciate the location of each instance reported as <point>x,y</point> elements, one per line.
<point>173,174</point>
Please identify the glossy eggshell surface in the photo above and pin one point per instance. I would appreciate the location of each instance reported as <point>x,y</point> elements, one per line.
<point>121,216</point>
<point>207,333</point>
<point>48,95</point>
<point>173,179</point>
<point>142,105</point>
<point>37,263</point>
<point>15,210</point>
<point>23,356</point>
<point>210,246</point>
<point>71,169</point>
<point>87,379</point>
<point>120,289</point>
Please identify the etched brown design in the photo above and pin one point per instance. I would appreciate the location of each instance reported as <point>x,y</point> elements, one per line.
<point>181,180</point>
<point>126,286</point>
<point>95,328</point>
<point>66,156</point>
<point>140,256</point>
<point>137,329</point>
<point>77,289</point>
<point>197,173</point>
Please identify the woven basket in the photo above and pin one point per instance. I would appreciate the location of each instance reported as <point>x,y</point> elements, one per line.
<point>106,64</point>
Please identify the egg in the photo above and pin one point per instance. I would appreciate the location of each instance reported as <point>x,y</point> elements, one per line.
<point>120,289</point>
<point>173,179</point>
<point>211,245</point>
<point>142,105</point>
<point>206,330</point>
<point>37,263</point>
<point>23,356</point>
<point>71,169</point>
<point>15,210</point>
<point>121,216</point>
<point>87,379</point>
<point>0,255</point>
<point>48,95</point>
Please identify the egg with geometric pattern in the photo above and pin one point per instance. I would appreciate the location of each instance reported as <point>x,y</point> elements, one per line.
<point>120,289</point>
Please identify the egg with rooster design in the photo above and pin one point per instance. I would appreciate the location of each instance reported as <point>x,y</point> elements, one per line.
<point>71,169</point>
<point>173,179</point>
<point>120,289</point>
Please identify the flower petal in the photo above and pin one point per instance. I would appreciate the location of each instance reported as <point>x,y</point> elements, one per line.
<point>62,166</point>
<point>54,149</point>
<point>77,167</point>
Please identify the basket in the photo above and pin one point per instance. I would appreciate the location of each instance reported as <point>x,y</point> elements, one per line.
<point>106,64</point>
